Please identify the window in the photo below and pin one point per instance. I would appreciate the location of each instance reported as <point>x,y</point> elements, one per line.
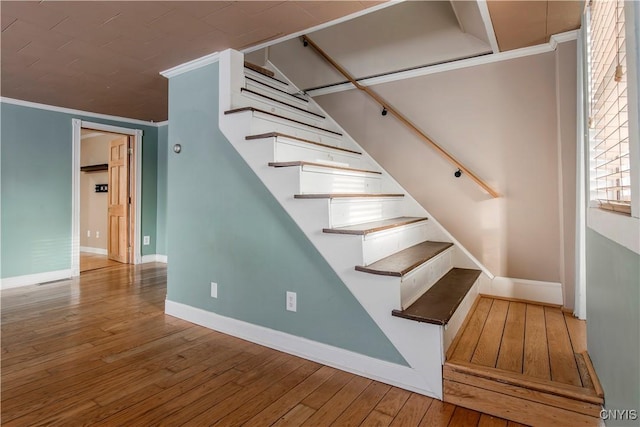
<point>610,179</point>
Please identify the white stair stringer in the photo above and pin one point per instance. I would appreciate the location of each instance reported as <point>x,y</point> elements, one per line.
<point>421,344</point>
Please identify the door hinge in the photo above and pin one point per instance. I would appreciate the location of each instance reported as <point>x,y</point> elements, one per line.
<point>130,150</point>
<point>129,199</point>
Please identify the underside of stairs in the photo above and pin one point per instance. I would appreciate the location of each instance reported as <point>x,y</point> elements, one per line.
<point>524,362</point>
<point>412,277</point>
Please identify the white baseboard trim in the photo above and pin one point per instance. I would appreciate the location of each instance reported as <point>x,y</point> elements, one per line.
<point>34,279</point>
<point>154,258</point>
<point>98,251</point>
<point>390,373</point>
<point>531,290</point>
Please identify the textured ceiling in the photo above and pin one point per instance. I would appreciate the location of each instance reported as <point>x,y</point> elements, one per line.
<point>105,56</point>
<point>528,23</point>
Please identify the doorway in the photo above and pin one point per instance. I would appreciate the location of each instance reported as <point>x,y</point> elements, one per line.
<point>106,196</point>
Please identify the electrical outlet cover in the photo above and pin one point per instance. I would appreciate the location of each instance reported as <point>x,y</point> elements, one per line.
<point>214,290</point>
<point>292,304</point>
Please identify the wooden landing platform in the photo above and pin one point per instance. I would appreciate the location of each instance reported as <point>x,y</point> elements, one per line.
<point>524,362</point>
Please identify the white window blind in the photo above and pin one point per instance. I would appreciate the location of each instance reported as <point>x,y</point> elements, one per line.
<point>608,122</point>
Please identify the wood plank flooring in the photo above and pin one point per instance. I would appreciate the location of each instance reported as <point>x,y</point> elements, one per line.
<point>523,361</point>
<point>99,350</point>
<point>90,261</point>
<point>523,338</point>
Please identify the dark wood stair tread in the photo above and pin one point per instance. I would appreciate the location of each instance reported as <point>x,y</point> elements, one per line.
<point>308,141</point>
<point>375,226</point>
<point>406,260</point>
<point>258,110</point>
<point>253,92</point>
<point>322,165</point>
<point>258,69</point>
<point>284,92</point>
<point>345,195</point>
<point>251,67</point>
<point>438,304</point>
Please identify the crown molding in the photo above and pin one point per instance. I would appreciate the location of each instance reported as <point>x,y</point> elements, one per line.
<point>454,65</point>
<point>21,103</point>
<point>191,65</point>
<point>563,38</point>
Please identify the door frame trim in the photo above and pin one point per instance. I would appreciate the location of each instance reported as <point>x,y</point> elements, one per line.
<point>77,125</point>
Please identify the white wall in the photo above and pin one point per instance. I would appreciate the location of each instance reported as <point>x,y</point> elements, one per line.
<point>506,122</point>
<point>93,206</point>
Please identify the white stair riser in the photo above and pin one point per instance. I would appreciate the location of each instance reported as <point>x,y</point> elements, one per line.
<point>452,328</point>
<point>267,80</point>
<point>247,99</point>
<point>264,123</point>
<point>376,246</point>
<point>268,91</point>
<point>422,278</point>
<point>322,180</point>
<point>288,150</point>
<point>343,212</point>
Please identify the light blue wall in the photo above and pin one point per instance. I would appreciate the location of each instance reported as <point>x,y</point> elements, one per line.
<point>613,321</point>
<point>36,188</point>
<point>161,230</point>
<point>225,226</point>
<point>149,189</point>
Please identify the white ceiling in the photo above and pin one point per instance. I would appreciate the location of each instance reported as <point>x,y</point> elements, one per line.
<point>408,35</point>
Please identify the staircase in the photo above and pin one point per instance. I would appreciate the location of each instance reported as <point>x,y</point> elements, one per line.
<point>511,359</point>
<point>415,281</point>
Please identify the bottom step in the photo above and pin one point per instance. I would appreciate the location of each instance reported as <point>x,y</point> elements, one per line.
<point>517,403</point>
<point>438,304</point>
<point>525,362</point>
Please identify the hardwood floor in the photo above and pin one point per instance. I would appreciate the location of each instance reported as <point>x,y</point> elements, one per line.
<point>531,339</point>
<point>90,261</point>
<point>99,350</point>
<point>523,361</point>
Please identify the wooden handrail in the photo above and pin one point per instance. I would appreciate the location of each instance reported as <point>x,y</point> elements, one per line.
<point>399,116</point>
